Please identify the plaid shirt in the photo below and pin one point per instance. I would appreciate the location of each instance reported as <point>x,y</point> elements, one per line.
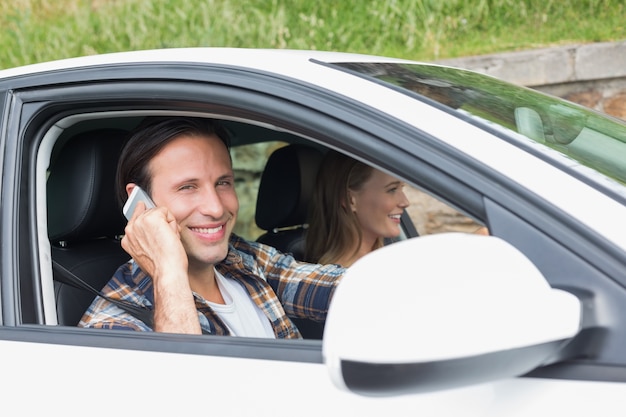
<point>278,284</point>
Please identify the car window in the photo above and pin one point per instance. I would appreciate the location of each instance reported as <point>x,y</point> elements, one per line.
<point>573,131</point>
<point>431,215</point>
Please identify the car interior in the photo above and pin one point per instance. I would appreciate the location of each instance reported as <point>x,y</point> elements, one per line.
<point>85,228</point>
<point>275,172</point>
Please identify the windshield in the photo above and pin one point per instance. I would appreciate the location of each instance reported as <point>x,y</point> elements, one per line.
<point>595,141</point>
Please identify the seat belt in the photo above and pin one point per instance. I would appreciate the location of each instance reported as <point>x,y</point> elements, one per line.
<point>68,277</point>
<point>142,313</point>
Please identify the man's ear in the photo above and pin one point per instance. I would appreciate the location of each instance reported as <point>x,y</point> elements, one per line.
<point>129,188</point>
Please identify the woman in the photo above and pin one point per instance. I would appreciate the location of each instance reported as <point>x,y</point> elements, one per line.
<point>354,208</point>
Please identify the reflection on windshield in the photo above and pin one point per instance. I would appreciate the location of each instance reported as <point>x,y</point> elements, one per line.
<point>581,134</point>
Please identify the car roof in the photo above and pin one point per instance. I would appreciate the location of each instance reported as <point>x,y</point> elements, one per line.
<point>260,59</point>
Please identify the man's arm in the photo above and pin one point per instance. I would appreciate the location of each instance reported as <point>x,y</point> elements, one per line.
<point>304,289</point>
<point>152,239</point>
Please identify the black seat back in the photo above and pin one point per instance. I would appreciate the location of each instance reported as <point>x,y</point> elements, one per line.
<point>285,191</point>
<point>84,218</point>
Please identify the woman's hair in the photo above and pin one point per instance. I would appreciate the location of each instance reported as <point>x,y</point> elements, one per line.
<point>333,227</point>
<point>149,138</point>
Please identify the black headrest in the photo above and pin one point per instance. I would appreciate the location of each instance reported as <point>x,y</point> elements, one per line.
<point>81,188</point>
<point>286,187</point>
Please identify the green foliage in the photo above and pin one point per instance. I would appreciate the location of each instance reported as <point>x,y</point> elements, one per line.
<point>42,30</point>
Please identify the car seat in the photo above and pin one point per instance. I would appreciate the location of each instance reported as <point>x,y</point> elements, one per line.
<point>285,191</point>
<point>84,219</point>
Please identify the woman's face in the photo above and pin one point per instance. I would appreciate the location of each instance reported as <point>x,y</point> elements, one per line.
<point>378,206</point>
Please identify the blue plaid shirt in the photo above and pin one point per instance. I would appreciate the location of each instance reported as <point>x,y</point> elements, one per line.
<point>278,284</point>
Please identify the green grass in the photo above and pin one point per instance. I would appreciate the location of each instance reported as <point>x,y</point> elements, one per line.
<point>43,30</point>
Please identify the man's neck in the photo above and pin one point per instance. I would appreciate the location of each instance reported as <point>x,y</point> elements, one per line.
<point>203,282</point>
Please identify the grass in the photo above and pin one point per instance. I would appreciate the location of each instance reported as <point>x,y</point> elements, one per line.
<point>42,30</point>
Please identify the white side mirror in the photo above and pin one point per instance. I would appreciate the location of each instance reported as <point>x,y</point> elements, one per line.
<point>443,311</point>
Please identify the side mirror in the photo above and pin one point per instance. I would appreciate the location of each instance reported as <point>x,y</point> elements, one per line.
<point>443,311</point>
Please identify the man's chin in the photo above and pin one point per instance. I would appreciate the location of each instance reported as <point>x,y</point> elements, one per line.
<point>215,258</point>
<point>208,256</point>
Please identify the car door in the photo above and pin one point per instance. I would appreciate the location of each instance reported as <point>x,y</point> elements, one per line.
<point>70,367</point>
<point>233,376</point>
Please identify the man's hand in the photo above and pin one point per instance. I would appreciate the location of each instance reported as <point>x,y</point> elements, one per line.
<point>152,238</point>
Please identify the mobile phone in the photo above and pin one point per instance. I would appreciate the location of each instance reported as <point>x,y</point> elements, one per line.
<point>136,196</point>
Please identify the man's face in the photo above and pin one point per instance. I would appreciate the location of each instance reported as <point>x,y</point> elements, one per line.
<point>193,177</point>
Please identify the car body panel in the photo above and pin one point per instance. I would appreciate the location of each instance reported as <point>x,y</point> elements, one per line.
<point>188,381</point>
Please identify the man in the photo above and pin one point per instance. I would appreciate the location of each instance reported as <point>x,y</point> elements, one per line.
<point>186,265</point>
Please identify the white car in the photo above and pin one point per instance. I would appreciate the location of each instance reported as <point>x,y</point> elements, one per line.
<point>529,321</point>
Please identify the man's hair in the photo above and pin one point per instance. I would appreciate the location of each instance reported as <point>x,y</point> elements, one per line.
<point>149,138</point>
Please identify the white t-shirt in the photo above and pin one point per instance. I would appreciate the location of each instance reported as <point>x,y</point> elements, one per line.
<point>242,316</point>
